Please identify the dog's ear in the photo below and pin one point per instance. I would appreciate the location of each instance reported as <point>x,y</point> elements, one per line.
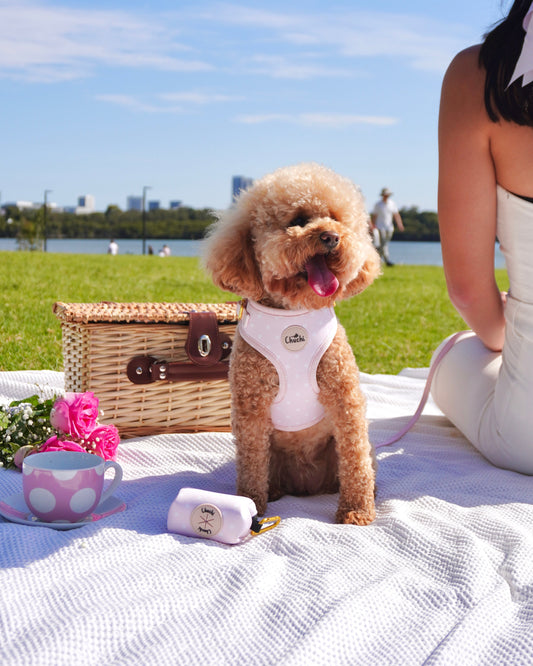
<point>230,260</point>
<point>367,274</point>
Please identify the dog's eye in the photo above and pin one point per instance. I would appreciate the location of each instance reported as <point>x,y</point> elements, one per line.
<point>299,221</point>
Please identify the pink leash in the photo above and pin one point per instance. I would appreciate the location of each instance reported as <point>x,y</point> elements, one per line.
<point>425,394</point>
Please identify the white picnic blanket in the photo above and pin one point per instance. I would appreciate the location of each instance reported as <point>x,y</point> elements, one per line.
<point>443,576</point>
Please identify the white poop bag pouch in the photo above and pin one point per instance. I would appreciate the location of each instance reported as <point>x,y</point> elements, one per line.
<point>225,518</point>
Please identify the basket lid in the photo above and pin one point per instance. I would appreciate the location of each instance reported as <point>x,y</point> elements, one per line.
<point>142,313</point>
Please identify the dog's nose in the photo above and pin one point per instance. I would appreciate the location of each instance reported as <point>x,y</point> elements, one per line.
<point>330,239</point>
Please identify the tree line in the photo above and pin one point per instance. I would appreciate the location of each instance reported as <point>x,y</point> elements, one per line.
<point>31,226</point>
<point>419,225</point>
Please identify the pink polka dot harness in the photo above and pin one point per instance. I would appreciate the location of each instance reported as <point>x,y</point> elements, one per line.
<point>294,341</point>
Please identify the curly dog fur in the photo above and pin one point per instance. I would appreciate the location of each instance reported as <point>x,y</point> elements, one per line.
<point>263,248</point>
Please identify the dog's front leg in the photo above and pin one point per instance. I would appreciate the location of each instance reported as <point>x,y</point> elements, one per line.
<point>338,379</point>
<point>253,382</point>
<point>356,472</point>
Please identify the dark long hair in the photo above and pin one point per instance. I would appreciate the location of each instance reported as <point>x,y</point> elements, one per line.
<point>498,55</point>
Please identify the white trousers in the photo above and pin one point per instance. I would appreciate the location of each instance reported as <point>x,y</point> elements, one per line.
<point>385,237</point>
<point>488,396</point>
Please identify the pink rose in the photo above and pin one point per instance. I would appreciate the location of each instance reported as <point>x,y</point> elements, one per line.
<point>103,441</point>
<point>56,444</point>
<point>75,414</point>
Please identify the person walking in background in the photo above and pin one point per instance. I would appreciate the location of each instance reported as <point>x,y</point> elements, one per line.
<point>484,382</point>
<point>383,217</point>
<point>113,247</point>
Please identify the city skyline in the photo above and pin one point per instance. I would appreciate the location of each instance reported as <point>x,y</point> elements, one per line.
<point>110,96</point>
<point>133,201</point>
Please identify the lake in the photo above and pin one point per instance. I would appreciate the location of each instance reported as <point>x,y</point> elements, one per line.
<point>401,252</point>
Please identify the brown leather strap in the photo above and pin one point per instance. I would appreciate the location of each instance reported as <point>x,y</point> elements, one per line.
<point>203,344</point>
<point>206,347</point>
<point>206,344</point>
<point>147,369</point>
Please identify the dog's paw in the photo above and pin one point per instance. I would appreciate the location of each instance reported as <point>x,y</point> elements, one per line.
<point>355,517</point>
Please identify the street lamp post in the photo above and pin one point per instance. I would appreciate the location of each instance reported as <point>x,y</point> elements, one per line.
<point>146,187</point>
<point>45,212</point>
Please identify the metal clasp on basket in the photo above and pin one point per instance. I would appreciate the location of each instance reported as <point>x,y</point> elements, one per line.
<point>204,345</point>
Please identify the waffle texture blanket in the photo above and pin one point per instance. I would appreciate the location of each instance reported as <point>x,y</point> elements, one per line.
<point>443,576</point>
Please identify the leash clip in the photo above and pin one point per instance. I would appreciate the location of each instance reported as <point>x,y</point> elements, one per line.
<point>261,526</point>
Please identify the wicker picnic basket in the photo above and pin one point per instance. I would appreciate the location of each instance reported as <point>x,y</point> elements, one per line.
<point>155,367</point>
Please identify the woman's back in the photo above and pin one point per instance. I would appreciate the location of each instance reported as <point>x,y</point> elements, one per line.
<point>510,144</point>
<point>511,148</point>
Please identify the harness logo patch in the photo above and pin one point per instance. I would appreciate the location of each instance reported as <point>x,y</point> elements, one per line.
<point>294,338</point>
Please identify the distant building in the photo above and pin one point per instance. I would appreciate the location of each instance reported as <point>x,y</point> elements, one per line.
<point>86,201</point>
<point>154,205</point>
<point>86,204</point>
<point>174,204</point>
<point>22,205</point>
<point>239,184</point>
<point>134,203</point>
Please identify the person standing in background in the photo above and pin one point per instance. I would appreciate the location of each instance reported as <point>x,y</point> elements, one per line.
<point>383,217</point>
<point>113,247</point>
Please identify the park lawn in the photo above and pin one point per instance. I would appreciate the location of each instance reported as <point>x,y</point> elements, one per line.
<point>396,323</point>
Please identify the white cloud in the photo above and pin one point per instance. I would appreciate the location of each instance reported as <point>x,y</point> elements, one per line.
<point>134,104</point>
<point>284,68</point>
<point>177,102</point>
<point>421,41</point>
<point>331,120</point>
<point>41,41</point>
<point>198,98</point>
<point>49,43</point>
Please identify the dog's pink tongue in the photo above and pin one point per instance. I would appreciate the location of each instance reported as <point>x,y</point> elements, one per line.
<point>319,277</point>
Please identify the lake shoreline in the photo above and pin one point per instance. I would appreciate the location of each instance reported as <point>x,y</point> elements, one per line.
<point>418,253</point>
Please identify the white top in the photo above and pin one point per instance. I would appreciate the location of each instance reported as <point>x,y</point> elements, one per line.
<point>515,233</point>
<point>384,212</point>
<point>294,341</point>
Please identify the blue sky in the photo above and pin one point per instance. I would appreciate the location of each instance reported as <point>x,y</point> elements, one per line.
<point>104,97</point>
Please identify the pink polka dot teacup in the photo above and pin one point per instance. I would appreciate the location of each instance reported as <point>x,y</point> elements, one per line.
<point>66,486</point>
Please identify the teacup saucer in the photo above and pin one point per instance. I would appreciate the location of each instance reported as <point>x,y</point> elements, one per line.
<point>15,509</point>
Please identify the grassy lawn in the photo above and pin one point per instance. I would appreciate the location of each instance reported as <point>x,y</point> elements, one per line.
<point>396,323</point>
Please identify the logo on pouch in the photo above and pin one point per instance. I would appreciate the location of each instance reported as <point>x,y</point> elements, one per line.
<point>294,338</point>
<point>206,520</point>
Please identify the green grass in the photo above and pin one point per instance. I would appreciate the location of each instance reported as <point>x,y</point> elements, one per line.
<point>396,323</point>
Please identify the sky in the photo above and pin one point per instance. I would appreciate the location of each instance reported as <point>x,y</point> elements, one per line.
<point>107,97</point>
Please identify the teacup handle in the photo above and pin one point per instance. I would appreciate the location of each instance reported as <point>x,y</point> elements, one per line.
<point>116,480</point>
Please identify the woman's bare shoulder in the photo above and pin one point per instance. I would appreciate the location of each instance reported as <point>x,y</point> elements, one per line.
<point>465,69</point>
<point>463,88</point>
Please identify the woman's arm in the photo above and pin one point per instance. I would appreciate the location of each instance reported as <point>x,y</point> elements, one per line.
<point>467,200</point>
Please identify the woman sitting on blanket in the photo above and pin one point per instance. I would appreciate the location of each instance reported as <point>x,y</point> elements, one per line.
<point>484,384</point>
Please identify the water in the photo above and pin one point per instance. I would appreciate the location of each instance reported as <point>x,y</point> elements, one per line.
<point>401,252</point>
<point>178,248</point>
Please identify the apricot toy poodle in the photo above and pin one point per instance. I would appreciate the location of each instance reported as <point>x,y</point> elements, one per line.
<point>292,244</point>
